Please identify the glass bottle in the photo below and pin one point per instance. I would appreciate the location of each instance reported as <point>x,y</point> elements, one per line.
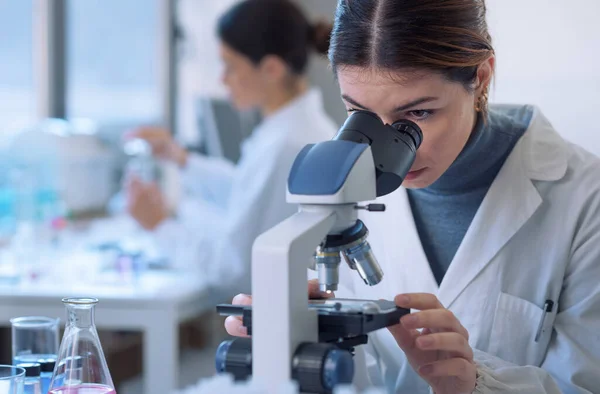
<point>81,366</point>
<point>141,163</point>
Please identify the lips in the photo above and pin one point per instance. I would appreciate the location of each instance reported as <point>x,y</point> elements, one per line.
<point>415,174</point>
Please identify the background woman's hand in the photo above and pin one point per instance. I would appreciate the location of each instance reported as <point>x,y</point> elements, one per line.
<point>440,352</point>
<point>162,143</point>
<point>146,203</point>
<point>233,324</point>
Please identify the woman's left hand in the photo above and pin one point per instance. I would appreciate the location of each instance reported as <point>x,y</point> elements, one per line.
<point>440,353</point>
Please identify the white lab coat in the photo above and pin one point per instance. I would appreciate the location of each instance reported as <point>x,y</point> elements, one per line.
<point>240,202</point>
<point>536,237</point>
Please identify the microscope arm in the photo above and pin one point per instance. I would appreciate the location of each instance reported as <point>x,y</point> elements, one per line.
<point>280,259</point>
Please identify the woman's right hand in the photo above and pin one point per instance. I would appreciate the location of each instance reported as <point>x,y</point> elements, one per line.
<point>162,143</point>
<point>233,324</point>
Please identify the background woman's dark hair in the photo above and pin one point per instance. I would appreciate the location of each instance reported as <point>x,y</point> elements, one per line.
<point>446,36</point>
<point>257,28</point>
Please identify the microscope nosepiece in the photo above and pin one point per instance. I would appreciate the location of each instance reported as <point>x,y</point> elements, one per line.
<point>353,246</point>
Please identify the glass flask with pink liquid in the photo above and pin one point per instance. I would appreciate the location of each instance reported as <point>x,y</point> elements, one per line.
<point>81,366</point>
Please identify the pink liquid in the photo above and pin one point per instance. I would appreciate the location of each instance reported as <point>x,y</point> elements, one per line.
<point>84,389</point>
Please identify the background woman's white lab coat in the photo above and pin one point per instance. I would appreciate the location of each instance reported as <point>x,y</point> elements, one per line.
<point>536,237</point>
<point>215,233</point>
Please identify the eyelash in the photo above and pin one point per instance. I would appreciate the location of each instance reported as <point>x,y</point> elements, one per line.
<point>411,114</point>
<point>427,114</point>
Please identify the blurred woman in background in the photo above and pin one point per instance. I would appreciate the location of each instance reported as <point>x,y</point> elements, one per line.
<point>265,48</point>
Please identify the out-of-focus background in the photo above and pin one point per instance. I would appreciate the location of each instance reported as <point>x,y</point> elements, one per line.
<point>76,74</point>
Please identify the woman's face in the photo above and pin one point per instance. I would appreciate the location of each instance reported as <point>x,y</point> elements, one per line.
<point>242,78</point>
<point>444,110</point>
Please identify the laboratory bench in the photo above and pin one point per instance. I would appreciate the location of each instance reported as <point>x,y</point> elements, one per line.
<point>154,302</point>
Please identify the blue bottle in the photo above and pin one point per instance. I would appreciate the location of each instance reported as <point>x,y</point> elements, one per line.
<point>32,378</point>
<point>47,369</point>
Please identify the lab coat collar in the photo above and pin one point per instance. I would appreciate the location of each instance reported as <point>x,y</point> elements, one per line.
<point>543,150</point>
<point>508,205</point>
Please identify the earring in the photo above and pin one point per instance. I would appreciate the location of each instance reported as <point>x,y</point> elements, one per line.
<point>482,101</point>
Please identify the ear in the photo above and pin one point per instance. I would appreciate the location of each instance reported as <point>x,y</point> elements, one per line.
<point>273,68</point>
<point>485,73</point>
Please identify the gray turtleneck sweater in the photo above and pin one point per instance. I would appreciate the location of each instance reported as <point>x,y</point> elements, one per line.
<point>444,211</point>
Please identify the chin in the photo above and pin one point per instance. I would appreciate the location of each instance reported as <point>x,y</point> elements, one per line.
<point>239,103</point>
<point>240,106</point>
<point>418,183</point>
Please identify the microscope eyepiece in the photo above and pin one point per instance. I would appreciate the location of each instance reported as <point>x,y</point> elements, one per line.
<point>394,146</point>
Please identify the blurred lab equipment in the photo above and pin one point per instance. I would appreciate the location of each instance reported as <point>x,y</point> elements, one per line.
<point>33,339</point>
<point>81,366</point>
<point>48,173</point>
<point>367,159</point>
<point>11,379</point>
<point>141,163</point>
<point>66,159</point>
<point>32,378</point>
<point>222,128</point>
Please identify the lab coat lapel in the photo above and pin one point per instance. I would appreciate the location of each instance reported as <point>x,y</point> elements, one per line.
<point>408,269</point>
<point>510,202</point>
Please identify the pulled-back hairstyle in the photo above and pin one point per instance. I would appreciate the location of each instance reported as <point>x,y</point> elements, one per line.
<point>257,28</point>
<point>446,36</point>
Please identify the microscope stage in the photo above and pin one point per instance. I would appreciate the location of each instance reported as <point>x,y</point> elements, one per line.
<point>338,318</point>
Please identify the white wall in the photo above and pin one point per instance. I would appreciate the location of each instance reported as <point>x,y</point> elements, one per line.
<point>319,72</point>
<point>548,54</point>
<point>199,69</point>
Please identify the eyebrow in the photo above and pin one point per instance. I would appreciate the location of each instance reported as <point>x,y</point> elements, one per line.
<point>401,108</point>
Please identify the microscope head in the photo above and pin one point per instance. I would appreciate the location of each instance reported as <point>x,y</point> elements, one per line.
<point>365,160</point>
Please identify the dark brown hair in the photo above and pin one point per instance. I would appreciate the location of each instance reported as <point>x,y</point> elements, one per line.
<point>257,28</point>
<point>446,36</point>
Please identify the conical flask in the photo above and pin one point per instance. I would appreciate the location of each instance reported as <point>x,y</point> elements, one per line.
<point>81,367</point>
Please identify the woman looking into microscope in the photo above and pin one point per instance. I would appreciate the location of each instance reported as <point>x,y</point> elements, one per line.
<point>494,240</point>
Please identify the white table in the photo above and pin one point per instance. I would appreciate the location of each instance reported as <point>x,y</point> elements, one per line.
<point>156,305</point>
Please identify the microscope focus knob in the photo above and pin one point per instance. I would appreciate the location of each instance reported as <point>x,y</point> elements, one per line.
<point>235,357</point>
<point>320,367</point>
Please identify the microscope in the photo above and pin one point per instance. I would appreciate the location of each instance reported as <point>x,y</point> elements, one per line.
<point>312,342</point>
